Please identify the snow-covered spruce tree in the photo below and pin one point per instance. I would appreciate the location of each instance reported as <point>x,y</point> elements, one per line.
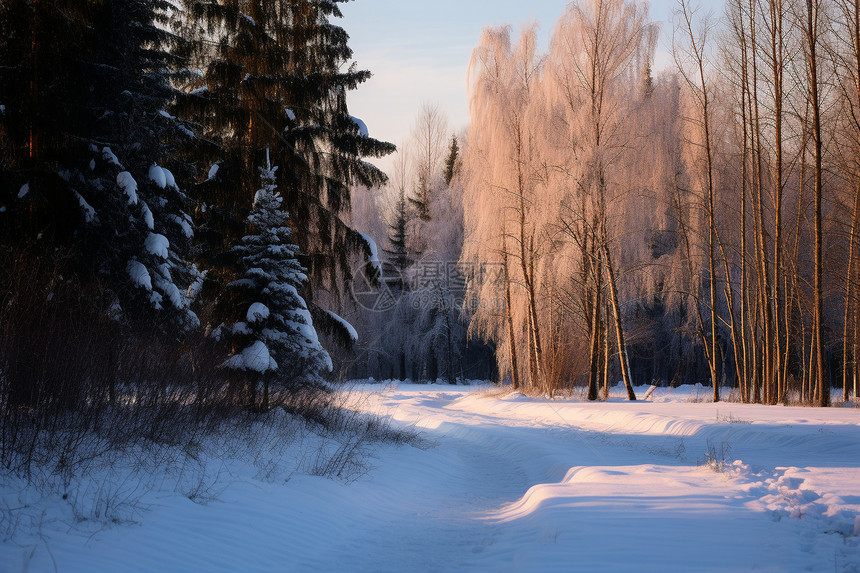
<point>275,340</point>
<point>84,87</point>
<point>275,76</point>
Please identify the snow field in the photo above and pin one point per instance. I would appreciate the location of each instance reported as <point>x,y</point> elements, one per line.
<point>499,482</point>
<point>629,486</point>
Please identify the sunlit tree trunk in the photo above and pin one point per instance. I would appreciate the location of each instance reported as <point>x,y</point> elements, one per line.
<point>777,61</point>
<point>812,37</point>
<point>596,328</point>
<point>700,88</point>
<point>509,318</point>
<point>849,294</point>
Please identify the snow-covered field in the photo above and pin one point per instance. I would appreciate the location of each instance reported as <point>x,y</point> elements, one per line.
<point>502,482</point>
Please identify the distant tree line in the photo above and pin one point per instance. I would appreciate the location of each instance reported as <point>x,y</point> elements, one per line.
<point>697,226</point>
<point>175,189</point>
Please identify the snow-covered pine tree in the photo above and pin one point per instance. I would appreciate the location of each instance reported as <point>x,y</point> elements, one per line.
<point>275,75</point>
<point>275,340</point>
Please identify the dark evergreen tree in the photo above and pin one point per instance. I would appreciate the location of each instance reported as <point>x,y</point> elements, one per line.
<point>647,81</point>
<point>452,161</point>
<point>398,254</point>
<point>274,77</point>
<point>83,128</point>
<point>420,202</point>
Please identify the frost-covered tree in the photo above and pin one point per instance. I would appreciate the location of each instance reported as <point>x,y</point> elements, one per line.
<point>599,46</point>
<point>428,137</point>
<point>275,339</point>
<point>503,201</point>
<point>547,186</point>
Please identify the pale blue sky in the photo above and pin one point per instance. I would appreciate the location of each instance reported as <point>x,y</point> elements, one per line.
<point>418,51</point>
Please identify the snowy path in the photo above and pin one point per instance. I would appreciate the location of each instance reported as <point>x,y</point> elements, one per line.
<point>508,483</point>
<point>532,485</point>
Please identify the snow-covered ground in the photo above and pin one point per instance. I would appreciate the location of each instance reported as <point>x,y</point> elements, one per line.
<point>502,482</point>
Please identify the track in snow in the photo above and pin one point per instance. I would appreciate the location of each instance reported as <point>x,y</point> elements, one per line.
<point>535,485</point>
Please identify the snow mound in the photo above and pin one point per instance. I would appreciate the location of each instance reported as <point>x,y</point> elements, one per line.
<point>171,181</point>
<point>362,127</point>
<point>138,274</point>
<point>25,188</point>
<point>257,312</point>
<point>241,328</point>
<point>172,292</point>
<point>147,216</point>
<point>374,252</point>
<point>255,357</point>
<point>157,245</point>
<point>89,212</point>
<point>184,225</point>
<point>109,156</point>
<point>128,185</point>
<point>157,176</point>
<point>213,171</point>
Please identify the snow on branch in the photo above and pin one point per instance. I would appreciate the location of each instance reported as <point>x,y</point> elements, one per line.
<point>362,127</point>
<point>255,357</point>
<point>373,251</point>
<point>353,335</point>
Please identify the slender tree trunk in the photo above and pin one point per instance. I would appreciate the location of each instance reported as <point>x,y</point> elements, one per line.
<point>763,271</point>
<point>795,279</point>
<point>619,329</point>
<point>811,33</point>
<point>712,232</point>
<point>701,92</point>
<point>526,244</point>
<point>512,345</point>
<point>594,370</point>
<point>744,358</point>
<point>34,87</point>
<point>604,335</point>
<point>856,349</point>
<point>855,42</point>
<point>846,362</point>
<point>776,18</point>
<point>740,31</point>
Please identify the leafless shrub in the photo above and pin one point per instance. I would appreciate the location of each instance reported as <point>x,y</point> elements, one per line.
<point>101,412</point>
<point>717,457</point>
<point>731,419</point>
